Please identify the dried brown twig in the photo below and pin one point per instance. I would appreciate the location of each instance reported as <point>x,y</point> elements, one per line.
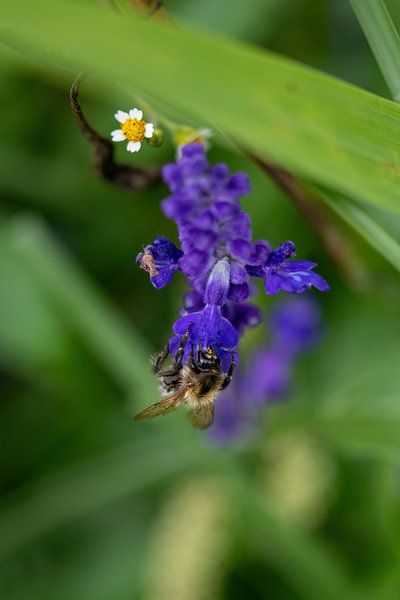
<point>124,176</point>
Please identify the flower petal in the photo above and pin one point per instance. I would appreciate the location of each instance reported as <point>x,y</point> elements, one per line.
<point>118,135</point>
<point>226,359</point>
<point>193,263</point>
<point>242,315</point>
<point>240,248</point>
<point>281,253</point>
<point>272,283</point>
<point>133,146</point>
<point>135,113</point>
<point>160,259</point>
<point>238,273</point>
<point>121,116</point>
<point>228,337</point>
<point>148,130</point>
<point>208,328</point>
<point>238,292</point>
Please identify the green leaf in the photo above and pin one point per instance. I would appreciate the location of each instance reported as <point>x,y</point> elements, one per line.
<point>317,127</point>
<point>383,38</point>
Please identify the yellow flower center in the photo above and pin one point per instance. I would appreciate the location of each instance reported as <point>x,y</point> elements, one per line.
<point>133,130</point>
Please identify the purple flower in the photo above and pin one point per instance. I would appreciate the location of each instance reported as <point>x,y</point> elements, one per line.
<point>160,259</point>
<point>295,325</point>
<point>294,276</point>
<point>207,327</point>
<point>268,377</point>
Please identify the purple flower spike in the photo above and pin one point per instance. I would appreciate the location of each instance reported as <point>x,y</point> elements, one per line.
<point>294,277</point>
<point>160,259</point>
<point>269,377</point>
<point>218,257</point>
<point>296,325</point>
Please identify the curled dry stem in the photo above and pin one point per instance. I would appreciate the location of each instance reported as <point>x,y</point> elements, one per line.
<point>127,177</point>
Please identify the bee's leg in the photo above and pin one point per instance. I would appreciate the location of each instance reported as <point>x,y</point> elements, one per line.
<point>181,349</point>
<point>172,372</point>
<point>192,363</point>
<point>228,376</point>
<point>160,359</point>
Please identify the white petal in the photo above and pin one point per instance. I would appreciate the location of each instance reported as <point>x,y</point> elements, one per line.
<point>148,130</point>
<point>118,135</point>
<point>135,113</point>
<point>133,146</point>
<point>121,116</point>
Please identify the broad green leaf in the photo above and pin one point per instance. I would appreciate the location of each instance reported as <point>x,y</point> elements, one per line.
<point>383,38</point>
<point>318,127</point>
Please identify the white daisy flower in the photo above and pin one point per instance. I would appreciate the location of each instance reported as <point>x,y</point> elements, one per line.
<point>133,129</point>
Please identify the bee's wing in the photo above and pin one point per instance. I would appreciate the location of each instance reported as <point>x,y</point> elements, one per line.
<point>202,416</point>
<point>162,407</point>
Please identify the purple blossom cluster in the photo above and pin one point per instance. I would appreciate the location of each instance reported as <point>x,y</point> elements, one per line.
<point>295,328</point>
<point>218,255</point>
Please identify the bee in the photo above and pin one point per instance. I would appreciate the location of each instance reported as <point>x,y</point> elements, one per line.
<point>195,384</point>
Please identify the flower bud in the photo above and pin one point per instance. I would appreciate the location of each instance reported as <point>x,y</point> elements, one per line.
<point>157,138</point>
<point>218,283</point>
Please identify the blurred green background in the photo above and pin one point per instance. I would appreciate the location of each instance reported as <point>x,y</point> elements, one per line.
<point>95,506</point>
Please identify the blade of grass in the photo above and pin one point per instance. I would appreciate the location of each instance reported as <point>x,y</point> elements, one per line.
<point>370,230</point>
<point>112,339</point>
<point>383,38</point>
<point>302,560</point>
<point>317,127</point>
<point>90,486</point>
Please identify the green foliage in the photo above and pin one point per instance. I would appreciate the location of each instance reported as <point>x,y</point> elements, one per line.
<point>287,112</point>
